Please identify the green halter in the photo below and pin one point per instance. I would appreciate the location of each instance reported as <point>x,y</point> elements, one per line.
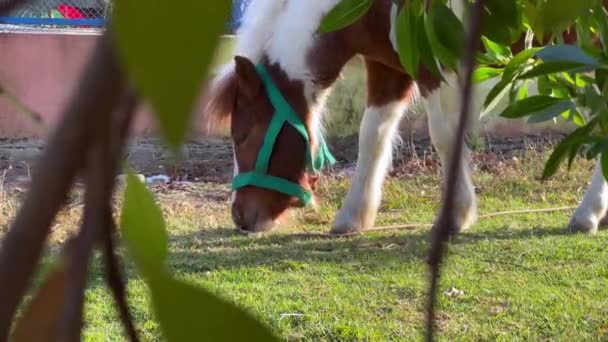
<point>283,114</point>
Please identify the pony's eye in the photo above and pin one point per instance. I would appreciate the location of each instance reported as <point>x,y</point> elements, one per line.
<point>239,137</point>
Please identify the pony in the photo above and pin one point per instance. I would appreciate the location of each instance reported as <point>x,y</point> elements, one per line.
<point>271,97</point>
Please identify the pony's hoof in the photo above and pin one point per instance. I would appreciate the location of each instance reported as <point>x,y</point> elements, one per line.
<point>588,226</point>
<point>345,229</point>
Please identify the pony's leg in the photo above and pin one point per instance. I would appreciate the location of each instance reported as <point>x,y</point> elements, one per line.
<point>594,205</point>
<point>388,95</point>
<point>443,110</point>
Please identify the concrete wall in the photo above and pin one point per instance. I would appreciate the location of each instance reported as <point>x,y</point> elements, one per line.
<point>42,69</point>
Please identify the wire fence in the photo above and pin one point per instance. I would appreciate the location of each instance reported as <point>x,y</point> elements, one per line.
<point>80,14</point>
<point>57,14</point>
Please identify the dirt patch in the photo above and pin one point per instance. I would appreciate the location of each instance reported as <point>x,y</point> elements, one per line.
<point>210,160</point>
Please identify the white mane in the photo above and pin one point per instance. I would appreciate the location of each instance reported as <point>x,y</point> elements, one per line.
<point>284,30</point>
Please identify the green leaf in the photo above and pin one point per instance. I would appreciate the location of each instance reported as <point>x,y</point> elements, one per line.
<point>485,73</point>
<point>518,61</point>
<point>572,155</point>
<point>407,40</point>
<point>523,91</point>
<point>601,16</point>
<point>496,94</point>
<point>188,313</point>
<point>499,52</point>
<point>424,46</point>
<point>566,53</point>
<point>143,226</point>
<point>600,78</point>
<point>344,14</point>
<point>552,164</point>
<point>550,113</point>
<point>167,55</point>
<point>551,68</point>
<point>562,149</point>
<point>500,18</point>
<point>574,116</point>
<point>557,15</point>
<point>446,35</point>
<point>604,161</point>
<point>529,106</point>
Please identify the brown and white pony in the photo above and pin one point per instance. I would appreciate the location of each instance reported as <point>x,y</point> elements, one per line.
<point>282,34</point>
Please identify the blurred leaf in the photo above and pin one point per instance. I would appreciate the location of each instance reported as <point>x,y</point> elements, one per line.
<point>551,68</point>
<point>574,140</point>
<point>446,35</point>
<point>530,105</point>
<point>167,55</point>
<point>143,226</point>
<point>551,16</point>
<point>584,35</point>
<point>407,40</point>
<point>574,116</point>
<point>500,18</point>
<point>498,52</point>
<point>566,53</point>
<point>601,16</point>
<point>523,91</point>
<point>40,320</point>
<point>572,155</point>
<point>551,112</point>
<point>552,164</point>
<point>424,46</point>
<point>485,73</point>
<point>518,61</point>
<point>604,161</point>
<point>496,94</point>
<point>189,313</point>
<point>600,77</point>
<point>344,14</point>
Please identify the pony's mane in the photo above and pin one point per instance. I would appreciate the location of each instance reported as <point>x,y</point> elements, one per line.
<point>281,30</point>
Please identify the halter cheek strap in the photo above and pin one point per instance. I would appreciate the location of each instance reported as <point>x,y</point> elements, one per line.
<point>284,113</point>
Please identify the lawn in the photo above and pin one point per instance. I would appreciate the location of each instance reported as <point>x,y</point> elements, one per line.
<point>518,277</point>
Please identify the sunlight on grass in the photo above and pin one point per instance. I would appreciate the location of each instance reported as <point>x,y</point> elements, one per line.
<point>521,277</point>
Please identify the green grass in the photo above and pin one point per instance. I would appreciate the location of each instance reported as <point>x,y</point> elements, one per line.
<point>523,277</point>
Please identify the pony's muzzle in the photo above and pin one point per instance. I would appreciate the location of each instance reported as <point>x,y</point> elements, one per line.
<point>251,218</point>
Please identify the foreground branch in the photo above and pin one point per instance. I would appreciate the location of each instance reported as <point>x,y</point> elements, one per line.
<point>103,162</point>
<point>446,224</point>
<point>117,285</point>
<point>97,95</point>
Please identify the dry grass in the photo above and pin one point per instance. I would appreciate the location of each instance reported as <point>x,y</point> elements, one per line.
<point>517,277</point>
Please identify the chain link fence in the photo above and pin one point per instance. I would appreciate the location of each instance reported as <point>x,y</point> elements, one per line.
<point>57,14</point>
<point>81,14</point>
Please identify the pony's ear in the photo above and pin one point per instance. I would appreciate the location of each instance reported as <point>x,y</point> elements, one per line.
<point>218,103</point>
<point>248,80</point>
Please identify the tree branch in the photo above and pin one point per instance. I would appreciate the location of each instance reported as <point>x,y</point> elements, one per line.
<point>97,95</point>
<point>117,285</point>
<point>103,162</point>
<point>446,224</point>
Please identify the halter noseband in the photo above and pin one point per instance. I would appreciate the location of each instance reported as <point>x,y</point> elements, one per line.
<point>284,113</point>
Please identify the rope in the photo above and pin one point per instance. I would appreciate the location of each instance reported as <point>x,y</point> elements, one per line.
<point>412,226</point>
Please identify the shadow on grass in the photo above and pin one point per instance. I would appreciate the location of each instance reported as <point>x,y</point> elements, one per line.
<point>224,248</point>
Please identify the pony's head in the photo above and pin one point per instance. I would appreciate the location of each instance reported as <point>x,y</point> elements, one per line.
<point>276,152</point>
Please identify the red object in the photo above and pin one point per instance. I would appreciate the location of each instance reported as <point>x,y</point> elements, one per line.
<point>70,12</point>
